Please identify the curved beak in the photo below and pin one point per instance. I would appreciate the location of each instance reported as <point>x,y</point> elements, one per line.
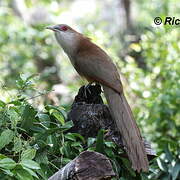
<point>53,28</point>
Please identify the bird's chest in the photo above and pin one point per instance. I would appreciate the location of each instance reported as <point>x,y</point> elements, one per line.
<point>82,68</point>
<point>68,42</point>
<point>73,61</point>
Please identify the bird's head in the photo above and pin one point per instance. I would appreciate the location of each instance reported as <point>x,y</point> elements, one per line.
<point>67,37</point>
<point>61,28</point>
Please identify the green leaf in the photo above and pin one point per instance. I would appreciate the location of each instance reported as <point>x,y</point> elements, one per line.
<point>76,144</point>
<point>59,117</point>
<point>100,141</point>
<point>31,77</point>
<point>7,163</point>
<point>59,109</point>
<point>42,173</point>
<point>45,119</point>
<point>37,129</point>
<point>162,165</point>
<point>14,117</point>
<point>66,149</point>
<point>79,136</point>
<point>23,174</point>
<point>110,144</point>
<point>31,172</point>
<point>6,137</point>
<point>127,164</point>
<point>109,152</point>
<point>20,83</point>
<point>91,149</point>
<point>7,171</point>
<point>30,164</point>
<point>115,167</point>
<point>28,154</point>
<point>2,156</point>
<point>67,125</point>
<point>70,136</point>
<point>168,154</point>
<point>17,144</point>
<point>16,102</point>
<point>74,136</point>
<point>65,161</point>
<point>91,141</point>
<point>176,171</point>
<point>43,136</point>
<point>122,178</point>
<point>42,158</point>
<point>2,104</point>
<point>28,117</point>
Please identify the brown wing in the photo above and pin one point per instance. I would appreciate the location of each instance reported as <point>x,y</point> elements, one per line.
<point>94,64</point>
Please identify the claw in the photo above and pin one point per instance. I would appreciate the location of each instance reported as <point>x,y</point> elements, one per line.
<point>87,90</point>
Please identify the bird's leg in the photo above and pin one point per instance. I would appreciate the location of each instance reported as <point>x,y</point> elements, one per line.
<point>87,90</point>
<point>99,85</point>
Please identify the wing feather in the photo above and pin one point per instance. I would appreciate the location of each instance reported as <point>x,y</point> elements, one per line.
<point>97,66</point>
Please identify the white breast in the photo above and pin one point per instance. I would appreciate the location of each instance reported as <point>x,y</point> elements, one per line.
<point>68,41</point>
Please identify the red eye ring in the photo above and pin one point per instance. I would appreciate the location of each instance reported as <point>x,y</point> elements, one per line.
<point>64,28</point>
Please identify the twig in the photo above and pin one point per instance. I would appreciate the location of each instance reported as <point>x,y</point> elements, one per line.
<point>41,94</point>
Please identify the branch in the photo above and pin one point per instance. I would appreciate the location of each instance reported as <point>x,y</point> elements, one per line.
<point>88,165</point>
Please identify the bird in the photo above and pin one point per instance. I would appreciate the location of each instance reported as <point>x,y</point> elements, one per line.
<point>94,64</point>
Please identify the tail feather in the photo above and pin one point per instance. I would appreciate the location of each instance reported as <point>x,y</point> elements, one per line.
<point>132,140</point>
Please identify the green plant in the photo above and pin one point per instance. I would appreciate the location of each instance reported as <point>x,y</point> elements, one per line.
<point>34,144</point>
<point>30,140</point>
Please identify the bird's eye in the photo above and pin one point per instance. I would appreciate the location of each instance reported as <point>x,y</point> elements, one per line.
<point>64,28</point>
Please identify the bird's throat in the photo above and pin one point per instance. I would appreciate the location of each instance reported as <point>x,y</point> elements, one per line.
<point>68,41</point>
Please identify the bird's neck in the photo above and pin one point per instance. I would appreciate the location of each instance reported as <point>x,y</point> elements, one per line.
<point>73,43</point>
<point>69,42</point>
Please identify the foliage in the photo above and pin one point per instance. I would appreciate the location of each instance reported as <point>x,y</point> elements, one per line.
<point>35,144</point>
<point>164,98</point>
<point>159,113</point>
<point>29,137</point>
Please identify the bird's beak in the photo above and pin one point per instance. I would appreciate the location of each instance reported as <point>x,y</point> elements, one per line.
<point>53,28</point>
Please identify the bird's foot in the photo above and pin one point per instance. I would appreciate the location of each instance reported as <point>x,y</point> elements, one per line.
<point>87,90</point>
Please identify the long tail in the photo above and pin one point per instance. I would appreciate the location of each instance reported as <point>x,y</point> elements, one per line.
<point>122,114</point>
